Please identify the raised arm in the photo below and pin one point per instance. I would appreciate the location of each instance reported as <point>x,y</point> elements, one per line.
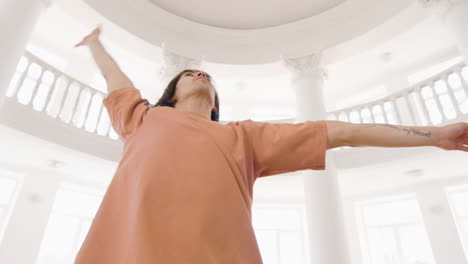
<point>112,73</point>
<point>449,137</point>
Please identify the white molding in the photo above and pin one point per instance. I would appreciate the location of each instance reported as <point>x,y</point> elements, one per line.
<point>310,65</point>
<point>173,63</point>
<point>440,7</point>
<point>46,3</point>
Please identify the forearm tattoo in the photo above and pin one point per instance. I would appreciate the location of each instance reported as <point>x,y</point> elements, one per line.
<point>408,131</point>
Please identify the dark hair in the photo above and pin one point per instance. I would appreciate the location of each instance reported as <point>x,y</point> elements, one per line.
<point>170,92</point>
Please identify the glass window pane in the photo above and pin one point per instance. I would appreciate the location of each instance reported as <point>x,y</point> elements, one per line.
<point>59,239</point>
<point>465,230</point>
<point>268,243</point>
<point>414,244</point>
<point>393,231</point>
<point>382,246</point>
<point>391,212</point>
<point>7,187</point>
<point>82,235</point>
<point>279,232</point>
<point>460,203</point>
<point>84,204</point>
<point>72,213</point>
<point>279,218</point>
<point>291,250</point>
<point>458,199</point>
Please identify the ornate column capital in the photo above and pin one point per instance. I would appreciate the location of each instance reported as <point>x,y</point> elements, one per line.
<point>46,3</point>
<point>309,65</point>
<point>440,7</point>
<point>307,79</point>
<point>173,63</point>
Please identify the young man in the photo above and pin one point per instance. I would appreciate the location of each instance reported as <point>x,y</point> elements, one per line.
<point>183,190</point>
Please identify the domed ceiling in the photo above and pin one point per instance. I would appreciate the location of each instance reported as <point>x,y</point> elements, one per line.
<point>248,32</point>
<point>246,14</point>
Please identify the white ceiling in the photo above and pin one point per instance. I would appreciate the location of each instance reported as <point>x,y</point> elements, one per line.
<point>434,165</point>
<point>333,26</point>
<point>27,153</point>
<point>245,14</point>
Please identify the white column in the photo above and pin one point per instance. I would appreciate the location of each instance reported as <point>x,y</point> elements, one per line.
<point>242,108</point>
<point>454,13</point>
<point>440,225</point>
<point>17,21</point>
<point>172,64</point>
<point>325,222</point>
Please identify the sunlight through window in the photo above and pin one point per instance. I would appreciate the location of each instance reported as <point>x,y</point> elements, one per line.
<point>9,186</point>
<point>72,213</point>
<point>458,198</point>
<point>392,231</point>
<point>280,233</point>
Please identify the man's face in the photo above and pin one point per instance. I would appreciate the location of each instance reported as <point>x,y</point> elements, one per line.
<point>194,83</point>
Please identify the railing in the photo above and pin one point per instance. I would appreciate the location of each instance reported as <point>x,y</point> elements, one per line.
<point>60,96</point>
<point>435,101</point>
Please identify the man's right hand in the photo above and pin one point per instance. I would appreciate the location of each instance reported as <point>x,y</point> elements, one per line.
<point>93,36</point>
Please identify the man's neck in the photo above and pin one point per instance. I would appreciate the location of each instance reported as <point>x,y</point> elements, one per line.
<point>198,105</point>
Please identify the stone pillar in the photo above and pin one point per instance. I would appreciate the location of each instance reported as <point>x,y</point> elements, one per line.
<point>454,14</point>
<point>325,222</point>
<point>17,21</point>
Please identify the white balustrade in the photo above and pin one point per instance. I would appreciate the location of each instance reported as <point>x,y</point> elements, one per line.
<point>435,101</point>
<point>42,87</point>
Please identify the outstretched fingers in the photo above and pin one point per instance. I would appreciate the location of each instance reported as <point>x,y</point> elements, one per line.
<point>464,148</point>
<point>91,36</point>
<point>80,43</point>
<point>463,145</point>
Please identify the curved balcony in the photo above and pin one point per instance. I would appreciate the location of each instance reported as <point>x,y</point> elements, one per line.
<point>52,105</point>
<point>438,100</point>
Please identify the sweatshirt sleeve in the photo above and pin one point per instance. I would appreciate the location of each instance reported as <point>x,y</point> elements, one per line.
<point>126,110</point>
<point>282,148</point>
